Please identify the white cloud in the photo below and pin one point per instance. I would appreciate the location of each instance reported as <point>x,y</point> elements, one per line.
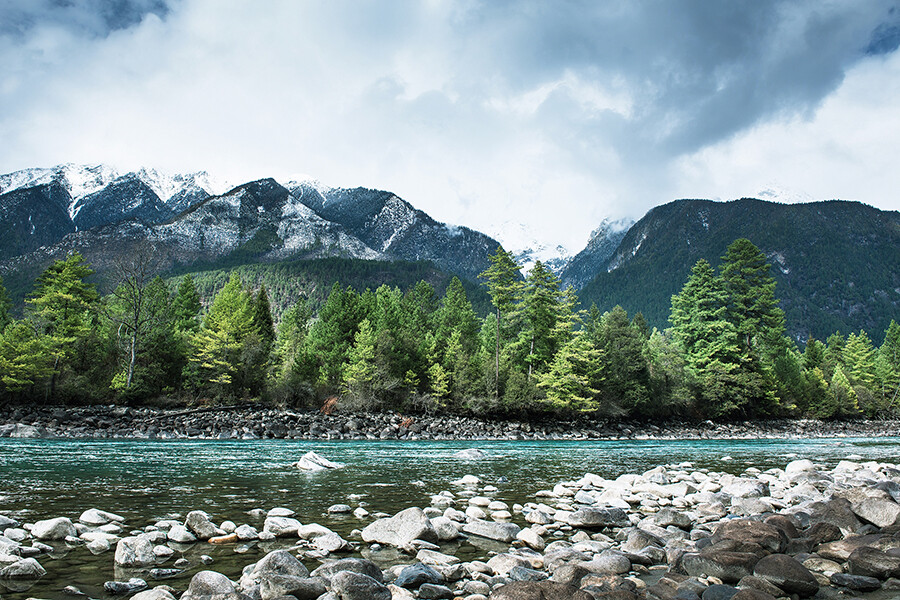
<point>555,114</point>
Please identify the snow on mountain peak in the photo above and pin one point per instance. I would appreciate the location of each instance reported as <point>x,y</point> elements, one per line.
<point>521,240</point>
<point>775,192</point>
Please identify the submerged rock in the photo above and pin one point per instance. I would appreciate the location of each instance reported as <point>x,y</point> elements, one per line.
<point>313,462</point>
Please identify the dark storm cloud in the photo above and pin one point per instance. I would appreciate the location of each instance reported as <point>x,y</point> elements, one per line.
<point>84,17</point>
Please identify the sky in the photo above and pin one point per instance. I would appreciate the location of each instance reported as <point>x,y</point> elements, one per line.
<point>554,114</point>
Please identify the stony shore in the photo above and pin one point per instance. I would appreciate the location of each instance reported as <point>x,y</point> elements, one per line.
<point>264,423</point>
<point>670,533</point>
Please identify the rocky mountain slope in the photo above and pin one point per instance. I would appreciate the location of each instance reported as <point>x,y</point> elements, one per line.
<point>186,221</point>
<point>836,263</point>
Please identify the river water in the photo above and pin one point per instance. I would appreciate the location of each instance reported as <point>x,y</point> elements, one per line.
<point>145,481</point>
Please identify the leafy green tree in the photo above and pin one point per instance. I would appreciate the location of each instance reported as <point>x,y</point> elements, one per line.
<point>572,382</point>
<point>504,285</point>
<point>63,308</point>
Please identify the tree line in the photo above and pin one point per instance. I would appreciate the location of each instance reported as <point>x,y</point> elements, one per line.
<point>725,354</point>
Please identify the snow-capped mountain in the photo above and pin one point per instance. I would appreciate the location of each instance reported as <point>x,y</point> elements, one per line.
<point>48,212</point>
<point>602,244</point>
<point>521,240</point>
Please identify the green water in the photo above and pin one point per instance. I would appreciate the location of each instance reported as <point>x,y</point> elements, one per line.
<point>145,481</point>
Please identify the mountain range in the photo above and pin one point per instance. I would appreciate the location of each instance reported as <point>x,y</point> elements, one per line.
<point>837,263</point>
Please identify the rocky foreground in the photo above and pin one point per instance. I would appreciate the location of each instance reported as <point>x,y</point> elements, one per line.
<point>253,422</point>
<point>671,533</point>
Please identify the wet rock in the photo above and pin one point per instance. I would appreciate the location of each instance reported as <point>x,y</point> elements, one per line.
<point>313,462</point>
<point>431,591</point>
<point>872,562</point>
<point>354,565</point>
<point>539,590</point>
<point>209,585</point>
<point>787,573</point>
<point>502,564</point>
<point>246,533</point>
<point>136,551</point>
<point>415,575</point>
<point>470,454</point>
<point>401,529</point>
<point>26,568</point>
<point>180,534</point>
<point>348,585</point>
<point>501,532</point>
<point>531,539</point>
<point>157,593</point>
<point>751,594</point>
<point>198,523</point>
<point>301,588</point>
<point>281,526</point>
<point>54,529</point>
<point>120,588</point>
<point>95,517</point>
<point>719,591</point>
<point>445,529</point>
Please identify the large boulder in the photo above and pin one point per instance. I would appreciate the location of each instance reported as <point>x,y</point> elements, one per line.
<point>872,562</point>
<point>354,565</point>
<point>501,532</point>
<point>157,593</point>
<point>348,585</point>
<point>277,563</point>
<point>54,529</point>
<point>415,575</point>
<point>313,462</point>
<point>301,588</point>
<point>765,535</point>
<point>730,567</point>
<point>135,551</point>
<point>787,573</point>
<point>746,488</point>
<point>401,529</point>
<point>879,512</point>
<point>539,590</point>
<point>282,526</point>
<point>96,517</point>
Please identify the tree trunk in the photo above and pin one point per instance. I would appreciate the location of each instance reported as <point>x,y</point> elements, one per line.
<point>132,360</point>
<point>497,359</point>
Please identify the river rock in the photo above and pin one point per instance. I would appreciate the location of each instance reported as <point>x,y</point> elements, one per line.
<point>787,573</point>
<point>595,518</point>
<point>609,562</point>
<point>281,526</point>
<point>199,523</point>
<point>209,585</point>
<point>279,562</point>
<point>301,588</point>
<point>539,590</point>
<point>746,488</point>
<point>401,529</point>
<point>767,536</point>
<point>668,516</point>
<point>872,562</point>
<point>730,567</point>
<point>96,517</point>
<point>54,529</point>
<point>246,533</point>
<point>26,568</point>
<point>531,539</point>
<point>136,551</point>
<point>313,462</point>
<point>470,454</point>
<point>348,585</point>
<point>355,565</point>
<point>432,591</point>
<point>858,583</point>
<point>840,550</point>
<point>157,593</point>
<point>445,529</point>
<point>415,575</point>
<point>329,542</point>
<point>501,532</point>
<point>120,588</point>
<point>879,512</point>
<point>180,534</point>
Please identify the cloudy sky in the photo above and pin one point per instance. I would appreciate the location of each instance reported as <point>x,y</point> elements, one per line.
<point>556,114</point>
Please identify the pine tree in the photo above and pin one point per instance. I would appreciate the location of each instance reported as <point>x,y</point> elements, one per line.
<point>842,396</point>
<point>25,357</point>
<point>502,280</point>
<point>574,376</point>
<point>186,306</point>
<point>833,355</point>
<point>541,297</point>
<point>360,371</point>
<point>5,306</point>
<point>262,316</point>
<point>219,343</point>
<point>859,359</point>
<point>63,308</point>
<point>887,365</point>
<point>625,370</point>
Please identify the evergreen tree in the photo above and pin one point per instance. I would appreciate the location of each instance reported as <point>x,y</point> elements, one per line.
<point>262,316</point>
<point>289,341</point>
<point>833,355</point>
<point>219,344</point>
<point>887,365</point>
<point>842,396</point>
<point>574,376</point>
<point>186,306</point>
<point>63,308</point>
<point>859,359</point>
<point>502,280</point>
<point>752,307</point>
<point>333,334</point>
<point>540,311</point>
<point>25,357</point>
<point>5,306</point>
<point>814,354</point>
<point>625,370</point>
<point>360,371</point>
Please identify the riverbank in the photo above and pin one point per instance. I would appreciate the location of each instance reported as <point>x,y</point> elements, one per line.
<point>674,532</point>
<point>242,422</point>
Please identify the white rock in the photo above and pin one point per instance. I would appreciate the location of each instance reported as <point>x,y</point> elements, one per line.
<point>313,462</point>
<point>54,529</point>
